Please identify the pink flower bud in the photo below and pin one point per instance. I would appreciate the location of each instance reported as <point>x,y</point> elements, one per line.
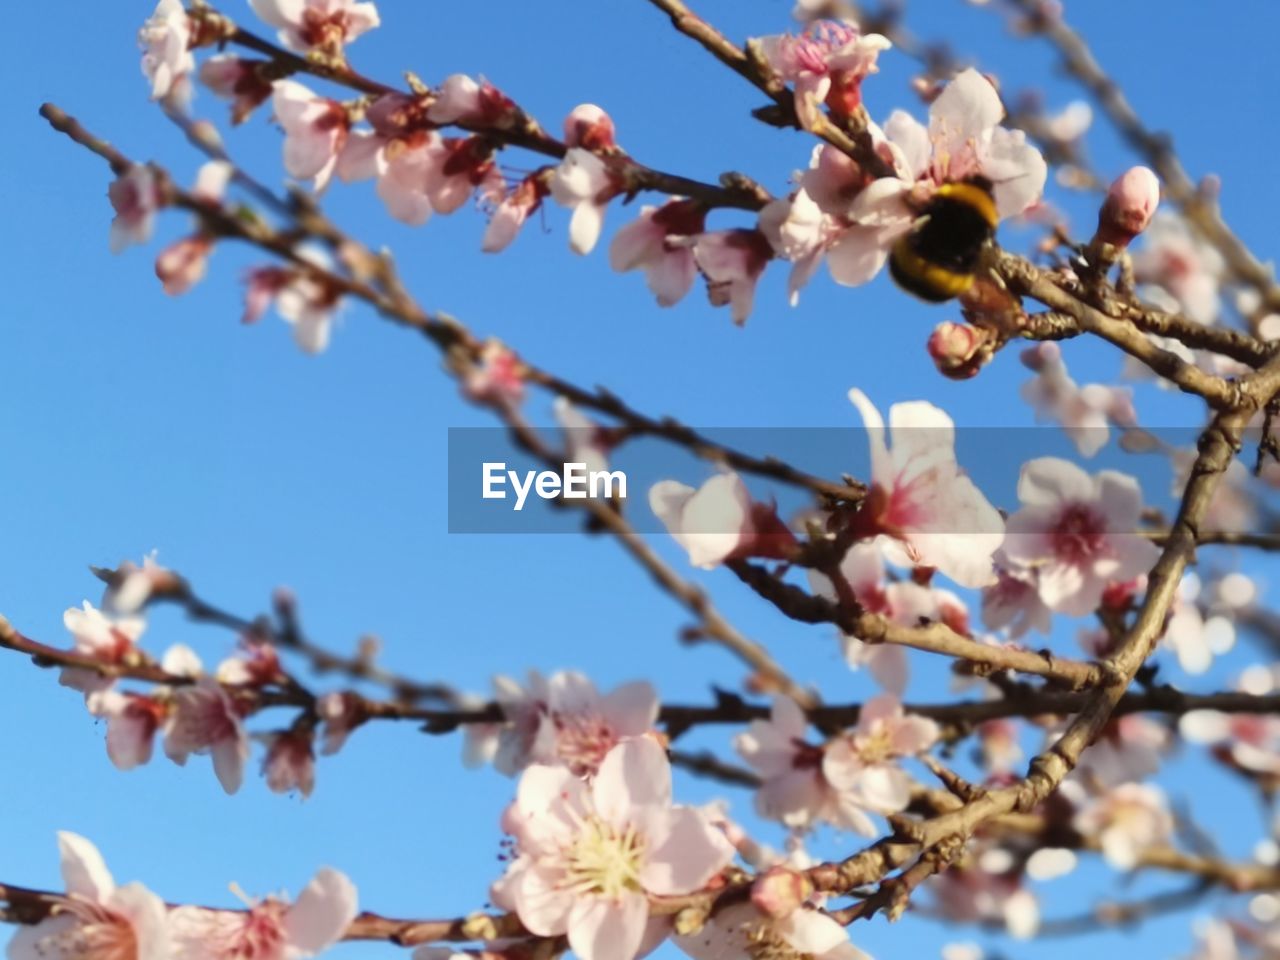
<point>589,127</point>
<point>779,892</point>
<point>181,265</point>
<point>1131,202</point>
<point>290,763</point>
<point>956,349</point>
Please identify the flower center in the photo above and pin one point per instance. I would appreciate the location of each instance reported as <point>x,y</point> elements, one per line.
<point>99,934</point>
<point>876,746</point>
<point>582,741</point>
<point>1079,535</point>
<point>604,861</point>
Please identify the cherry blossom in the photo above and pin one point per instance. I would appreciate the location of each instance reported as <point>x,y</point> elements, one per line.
<point>967,894</point>
<point>564,720</point>
<point>181,265</point>
<point>167,60</point>
<point>513,209</point>
<point>290,763</point>
<point>132,723</point>
<point>204,719</point>
<point>132,586</point>
<point>108,640</point>
<point>405,166</point>
<point>135,196</point>
<point>1130,204</point>
<point>589,127</point>
<point>719,521</point>
<point>1186,269</point>
<point>904,602</point>
<point>732,261</point>
<point>256,664</point>
<point>962,141</point>
<point>1083,412</point>
<point>587,442</point>
<point>496,378</point>
<point>1193,637</point>
<point>340,713</point>
<point>1013,602</point>
<point>826,64</point>
<point>921,498</point>
<point>271,928</point>
<point>315,131</point>
<point>1250,742</point>
<point>1130,748</point>
<point>303,298</point>
<point>794,789</point>
<point>585,184</point>
<point>741,930</point>
<point>862,765</point>
<point>236,79</point>
<point>320,25</point>
<point>99,920</point>
<point>1127,820</point>
<point>1079,532</point>
<point>589,856</point>
<point>462,99</point>
<point>653,244</point>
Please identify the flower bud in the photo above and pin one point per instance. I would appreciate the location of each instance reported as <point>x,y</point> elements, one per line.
<point>181,265</point>
<point>1131,202</point>
<point>589,127</point>
<point>779,892</point>
<point>956,349</point>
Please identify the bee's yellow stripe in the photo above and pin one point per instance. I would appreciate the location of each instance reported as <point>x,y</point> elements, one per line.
<point>974,196</point>
<point>926,278</point>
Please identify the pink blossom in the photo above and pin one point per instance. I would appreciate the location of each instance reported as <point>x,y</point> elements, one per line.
<point>321,25</point>
<point>256,664</point>
<point>589,127</point>
<point>998,742</point>
<point>719,521</point>
<point>262,285</point>
<point>1079,532</point>
<point>1130,204</point>
<point>956,350</point>
<point>827,64</point>
<point>586,441</point>
<point>585,184</point>
<point>204,719</point>
<point>271,928</point>
<point>1249,741</point>
<point>496,377</point>
<point>1130,748</point>
<point>167,60</point>
<point>1083,412</point>
<point>405,165</point>
<point>340,713</point>
<point>740,930</point>
<point>111,641</point>
<point>732,261</point>
<point>903,602</point>
<point>862,765</point>
<point>290,763</point>
<point>182,264</point>
<point>132,586</point>
<point>564,720</point>
<point>590,856</point>
<point>1013,602</point>
<point>652,244</point>
<point>304,299</point>
<point>135,196</point>
<point>132,723</point>
<point>801,232</point>
<point>236,79</point>
<point>1127,820</point>
<point>98,921</point>
<point>970,894</point>
<point>1194,637</point>
<point>922,499</point>
<point>963,140</point>
<point>794,788</point>
<point>464,100</point>
<point>1181,265</point>
<point>513,210</point>
<point>460,167</point>
<point>315,131</point>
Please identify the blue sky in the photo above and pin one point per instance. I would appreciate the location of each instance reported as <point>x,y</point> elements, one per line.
<point>131,421</point>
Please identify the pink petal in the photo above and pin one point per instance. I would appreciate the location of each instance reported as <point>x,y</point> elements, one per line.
<point>84,872</point>
<point>322,912</point>
<point>633,776</point>
<point>685,859</point>
<point>601,929</point>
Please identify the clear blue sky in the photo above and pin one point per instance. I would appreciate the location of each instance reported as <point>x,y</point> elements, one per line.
<point>131,421</point>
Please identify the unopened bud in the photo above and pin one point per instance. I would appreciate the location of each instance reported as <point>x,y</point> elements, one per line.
<point>779,892</point>
<point>589,127</point>
<point>1131,203</point>
<point>956,349</point>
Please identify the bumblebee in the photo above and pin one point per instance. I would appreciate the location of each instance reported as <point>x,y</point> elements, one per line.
<point>936,260</point>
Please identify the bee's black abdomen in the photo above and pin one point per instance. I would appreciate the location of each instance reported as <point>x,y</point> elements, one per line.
<point>937,259</point>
